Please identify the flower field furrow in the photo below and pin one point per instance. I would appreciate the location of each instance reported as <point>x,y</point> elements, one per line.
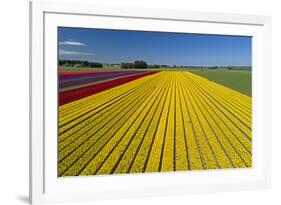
<point>196,161</point>
<point>141,112</point>
<point>236,138</point>
<point>168,121</point>
<point>78,93</point>
<point>244,105</point>
<point>242,113</point>
<point>139,161</point>
<point>139,129</point>
<point>99,108</point>
<point>169,140</point>
<point>244,118</point>
<point>88,150</point>
<point>97,123</point>
<point>222,135</point>
<point>235,103</point>
<point>154,160</point>
<point>231,158</point>
<point>106,113</point>
<point>68,109</point>
<point>215,146</point>
<point>244,134</point>
<point>204,146</point>
<point>97,134</point>
<point>229,114</point>
<point>181,146</point>
<point>79,107</point>
<point>239,97</point>
<point>126,162</point>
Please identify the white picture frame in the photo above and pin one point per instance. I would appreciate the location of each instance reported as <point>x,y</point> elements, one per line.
<point>45,187</point>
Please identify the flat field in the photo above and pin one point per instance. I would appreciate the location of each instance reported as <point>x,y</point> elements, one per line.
<point>240,81</point>
<point>154,122</point>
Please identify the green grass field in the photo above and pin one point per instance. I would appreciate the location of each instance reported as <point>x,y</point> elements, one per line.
<point>240,81</point>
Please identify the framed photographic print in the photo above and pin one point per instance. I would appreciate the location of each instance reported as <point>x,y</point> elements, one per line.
<point>129,102</point>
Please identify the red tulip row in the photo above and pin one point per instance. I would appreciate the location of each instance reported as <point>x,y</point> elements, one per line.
<point>78,93</point>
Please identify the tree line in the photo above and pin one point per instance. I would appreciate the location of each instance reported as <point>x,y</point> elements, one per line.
<point>139,64</point>
<point>80,63</point>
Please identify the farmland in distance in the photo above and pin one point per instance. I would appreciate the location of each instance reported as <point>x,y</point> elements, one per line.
<point>240,81</point>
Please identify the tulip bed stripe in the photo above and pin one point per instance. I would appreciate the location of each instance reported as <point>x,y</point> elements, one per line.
<point>78,93</point>
<point>161,122</point>
<point>100,123</point>
<point>71,109</point>
<point>72,80</point>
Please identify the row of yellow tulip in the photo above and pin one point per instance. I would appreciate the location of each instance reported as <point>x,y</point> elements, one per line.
<point>90,142</point>
<point>169,121</point>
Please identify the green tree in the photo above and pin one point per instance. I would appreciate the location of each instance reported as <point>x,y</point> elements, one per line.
<point>140,64</point>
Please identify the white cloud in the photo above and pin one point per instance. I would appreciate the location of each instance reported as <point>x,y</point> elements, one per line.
<point>72,43</point>
<point>65,52</point>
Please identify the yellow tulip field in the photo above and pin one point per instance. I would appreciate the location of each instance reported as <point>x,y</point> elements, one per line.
<point>166,121</point>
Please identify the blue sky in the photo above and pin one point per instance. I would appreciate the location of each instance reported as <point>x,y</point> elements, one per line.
<point>112,46</point>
